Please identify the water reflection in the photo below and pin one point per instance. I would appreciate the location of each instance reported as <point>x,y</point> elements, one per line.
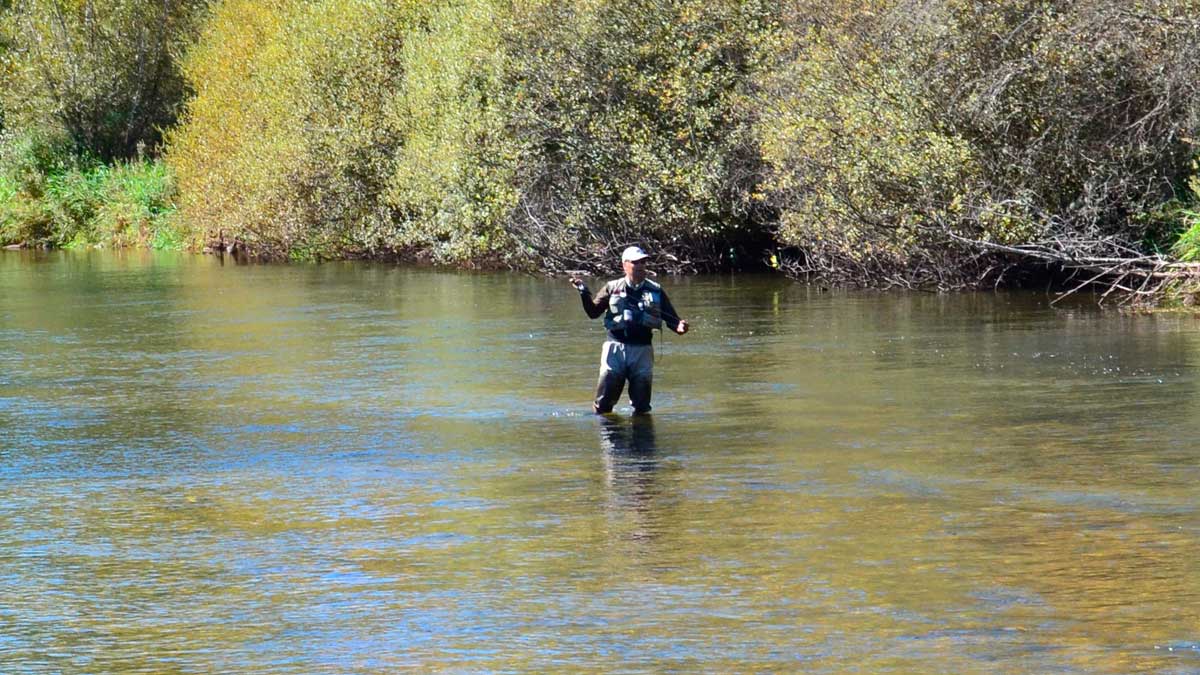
<point>320,469</point>
<point>631,464</point>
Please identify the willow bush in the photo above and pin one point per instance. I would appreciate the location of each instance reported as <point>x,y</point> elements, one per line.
<point>103,72</point>
<point>329,128</point>
<point>452,186</point>
<point>895,129</point>
<point>282,91</point>
<point>472,131</point>
<point>881,139</point>
<point>860,161</point>
<point>634,127</point>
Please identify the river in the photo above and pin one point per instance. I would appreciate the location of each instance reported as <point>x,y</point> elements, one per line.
<point>363,468</point>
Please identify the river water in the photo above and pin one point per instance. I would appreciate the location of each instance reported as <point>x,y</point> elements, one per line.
<point>355,468</point>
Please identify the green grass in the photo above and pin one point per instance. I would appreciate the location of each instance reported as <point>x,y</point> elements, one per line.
<point>87,204</point>
<point>1187,246</point>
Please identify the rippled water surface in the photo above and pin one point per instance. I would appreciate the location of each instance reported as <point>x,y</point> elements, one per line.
<point>354,468</point>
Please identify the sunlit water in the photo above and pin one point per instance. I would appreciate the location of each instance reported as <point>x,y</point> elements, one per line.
<point>353,468</point>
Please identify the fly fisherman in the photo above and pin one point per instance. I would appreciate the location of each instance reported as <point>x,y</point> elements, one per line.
<point>632,307</point>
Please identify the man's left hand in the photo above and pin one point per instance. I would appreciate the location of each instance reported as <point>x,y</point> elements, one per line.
<point>682,327</point>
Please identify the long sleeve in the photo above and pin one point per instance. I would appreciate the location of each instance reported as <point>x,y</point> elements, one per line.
<point>595,306</point>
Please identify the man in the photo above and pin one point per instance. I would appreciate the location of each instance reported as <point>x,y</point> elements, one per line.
<point>632,306</point>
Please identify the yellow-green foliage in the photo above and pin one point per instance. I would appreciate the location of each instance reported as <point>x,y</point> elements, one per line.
<point>468,130</point>
<point>893,126</point>
<point>633,123</point>
<point>869,134</point>
<point>873,135</point>
<point>103,72</point>
<point>859,165</point>
<point>451,188</point>
<point>324,128</point>
<point>270,79</point>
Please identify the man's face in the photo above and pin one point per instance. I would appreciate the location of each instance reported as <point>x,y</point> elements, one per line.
<point>635,270</point>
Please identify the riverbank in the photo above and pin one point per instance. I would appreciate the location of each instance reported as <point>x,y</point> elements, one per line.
<point>129,207</point>
<point>891,148</point>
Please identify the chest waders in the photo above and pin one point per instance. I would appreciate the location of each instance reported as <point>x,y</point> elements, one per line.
<point>620,361</point>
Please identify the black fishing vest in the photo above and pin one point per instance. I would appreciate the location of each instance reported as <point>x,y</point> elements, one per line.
<point>629,307</point>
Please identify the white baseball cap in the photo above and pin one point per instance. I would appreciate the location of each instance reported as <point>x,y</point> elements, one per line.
<point>633,253</point>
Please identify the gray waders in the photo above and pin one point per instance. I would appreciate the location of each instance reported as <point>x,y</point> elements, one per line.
<point>620,362</point>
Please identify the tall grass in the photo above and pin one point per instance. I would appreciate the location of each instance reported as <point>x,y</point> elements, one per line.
<point>73,202</point>
<point>1187,245</point>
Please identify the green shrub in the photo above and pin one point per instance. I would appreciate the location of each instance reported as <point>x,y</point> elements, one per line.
<point>286,146</point>
<point>137,207</point>
<point>634,128</point>
<point>50,197</point>
<point>26,162</point>
<point>1187,245</point>
<point>9,191</point>
<point>895,125</point>
<point>103,72</point>
<point>73,200</point>
<point>463,132</point>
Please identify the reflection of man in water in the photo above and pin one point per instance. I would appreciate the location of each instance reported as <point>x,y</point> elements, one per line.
<point>633,306</point>
<point>630,465</point>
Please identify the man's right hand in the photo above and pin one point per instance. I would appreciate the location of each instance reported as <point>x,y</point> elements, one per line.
<point>578,283</point>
